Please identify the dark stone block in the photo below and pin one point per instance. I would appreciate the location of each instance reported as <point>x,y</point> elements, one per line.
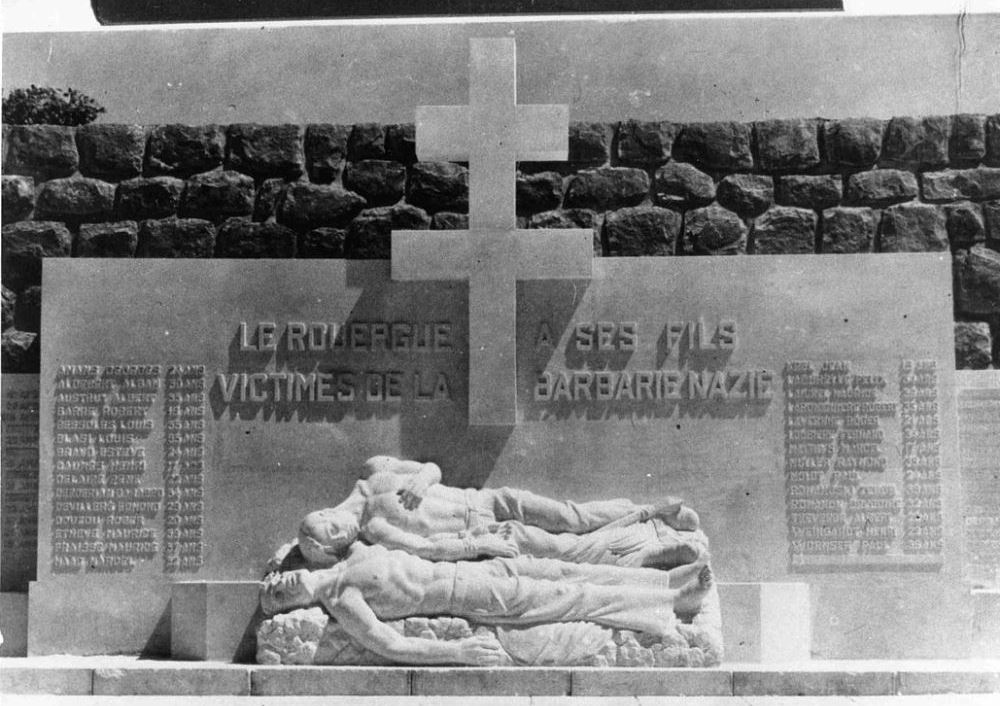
<point>784,230</point>
<point>9,302</point>
<point>992,156</point>
<point>21,352</point>
<point>680,186</point>
<point>111,152</point>
<point>977,282</point>
<point>367,141</point>
<point>322,243</point>
<point>439,186</point>
<point>25,244</point>
<point>141,198</point>
<point>28,310</point>
<point>913,227</point>
<point>184,150</point>
<point>715,147</point>
<point>848,230</point>
<point>216,196</point>
<point>380,182</point>
<point>445,220</point>
<point>881,187</point>
<point>176,237</point>
<point>973,345</point>
<point>538,192</point>
<point>917,143</point>
<point>964,222</point>
<point>642,230</point>
<point>270,195</point>
<point>265,151</point>
<point>714,230</point>
<point>75,200</point>
<point>401,143</point>
<point>369,235</point>
<point>815,192</point>
<point>326,151</point>
<point>976,184</point>
<point>571,218</point>
<point>607,188</point>
<point>310,206</point>
<point>590,143</point>
<point>991,221</point>
<point>967,144</point>
<point>787,145</point>
<point>749,195</point>
<point>40,151</point>
<point>854,143</point>
<point>245,239</point>
<point>18,197</point>
<point>107,239</point>
<point>645,144</point>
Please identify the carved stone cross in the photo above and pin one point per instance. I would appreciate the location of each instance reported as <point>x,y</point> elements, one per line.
<point>493,132</point>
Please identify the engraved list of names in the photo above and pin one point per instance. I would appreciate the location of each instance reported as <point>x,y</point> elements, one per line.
<point>128,488</point>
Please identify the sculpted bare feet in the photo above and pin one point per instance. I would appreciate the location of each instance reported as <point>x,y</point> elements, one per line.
<point>690,596</point>
<point>674,513</point>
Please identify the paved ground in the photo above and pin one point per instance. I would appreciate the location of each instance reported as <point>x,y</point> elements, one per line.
<point>926,700</point>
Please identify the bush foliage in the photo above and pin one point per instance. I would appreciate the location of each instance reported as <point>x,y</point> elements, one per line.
<point>49,106</point>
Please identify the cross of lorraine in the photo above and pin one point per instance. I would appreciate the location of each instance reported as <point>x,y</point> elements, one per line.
<point>492,133</point>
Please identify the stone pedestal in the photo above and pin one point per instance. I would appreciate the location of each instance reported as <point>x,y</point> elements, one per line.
<point>766,622</point>
<point>213,620</point>
<point>14,624</point>
<point>986,624</point>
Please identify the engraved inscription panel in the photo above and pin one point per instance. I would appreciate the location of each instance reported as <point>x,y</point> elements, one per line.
<point>117,470</point>
<point>19,532</point>
<point>862,465</point>
<point>979,454</point>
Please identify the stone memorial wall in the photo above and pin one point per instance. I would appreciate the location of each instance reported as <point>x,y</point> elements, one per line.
<point>190,431</point>
<point>910,184</point>
<point>19,486</point>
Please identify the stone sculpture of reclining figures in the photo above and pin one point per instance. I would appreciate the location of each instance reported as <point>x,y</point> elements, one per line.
<point>402,505</point>
<point>369,584</point>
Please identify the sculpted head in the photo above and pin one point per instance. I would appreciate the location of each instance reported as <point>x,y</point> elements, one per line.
<point>286,591</point>
<point>325,535</point>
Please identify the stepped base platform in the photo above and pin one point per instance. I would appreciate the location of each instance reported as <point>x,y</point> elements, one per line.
<point>132,676</point>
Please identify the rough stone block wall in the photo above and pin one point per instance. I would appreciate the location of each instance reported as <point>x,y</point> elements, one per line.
<point>650,188</point>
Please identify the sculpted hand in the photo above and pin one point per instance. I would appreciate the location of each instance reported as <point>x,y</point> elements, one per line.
<point>413,492</point>
<point>480,651</point>
<point>495,545</point>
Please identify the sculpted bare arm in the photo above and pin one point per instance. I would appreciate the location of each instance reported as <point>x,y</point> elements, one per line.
<point>354,614</point>
<point>438,547</point>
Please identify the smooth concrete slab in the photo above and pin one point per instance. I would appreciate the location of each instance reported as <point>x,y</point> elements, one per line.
<point>173,679</point>
<point>813,683</point>
<point>951,682</point>
<point>986,624</point>
<point>665,682</point>
<point>16,679</point>
<point>301,681</point>
<point>14,624</point>
<point>501,681</point>
<point>214,620</point>
<point>766,621</point>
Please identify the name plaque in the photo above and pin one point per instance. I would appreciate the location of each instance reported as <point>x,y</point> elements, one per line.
<point>19,482</point>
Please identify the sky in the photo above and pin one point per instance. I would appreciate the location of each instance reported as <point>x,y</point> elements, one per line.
<point>681,68</point>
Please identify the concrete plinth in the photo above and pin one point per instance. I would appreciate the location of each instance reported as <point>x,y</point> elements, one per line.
<point>214,620</point>
<point>14,624</point>
<point>766,622</point>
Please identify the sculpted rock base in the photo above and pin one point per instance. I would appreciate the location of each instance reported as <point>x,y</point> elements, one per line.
<point>309,636</point>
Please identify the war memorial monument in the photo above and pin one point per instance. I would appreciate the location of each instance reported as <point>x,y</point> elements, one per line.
<point>498,401</point>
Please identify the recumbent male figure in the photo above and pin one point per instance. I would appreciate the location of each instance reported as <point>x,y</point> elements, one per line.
<point>402,505</point>
<point>369,584</point>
